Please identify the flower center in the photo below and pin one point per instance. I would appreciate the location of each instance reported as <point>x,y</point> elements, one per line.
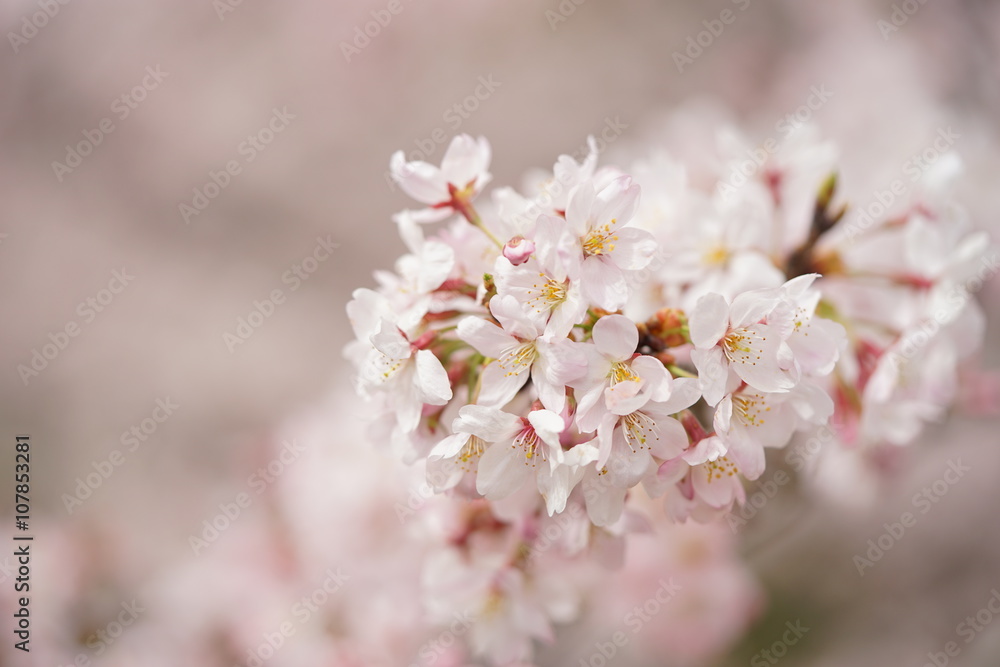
<point>750,409</point>
<point>621,372</point>
<point>528,443</point>
<point>518,358</point>
<point>719,468</point>
<point>743,346</point>
<point>716,256</point>
<point>550,293</point>
<point>468,457</point>
<point>387,366</point>
<point>638,427</point>
<point>600,240</point>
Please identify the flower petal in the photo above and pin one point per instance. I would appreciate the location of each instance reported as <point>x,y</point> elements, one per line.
<point>424,182</point>
<point>604,283</point>
<point>489,423</point>
<point>465,160</point>
<point>497,387</point>
<point>616,203</point>
<point>431,379</point>
<point>709,321</point>
<point>501,471</point>
<point>488,339</point>
<point>616,336</point>
<point>634,249</point>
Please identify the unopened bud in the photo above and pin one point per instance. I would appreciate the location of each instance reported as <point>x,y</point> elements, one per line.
<point>518,250</point>
<point>670,326</point>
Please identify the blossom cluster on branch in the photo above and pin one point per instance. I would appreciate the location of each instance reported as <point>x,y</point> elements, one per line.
<point>572,338</point>
<point>601,338</point>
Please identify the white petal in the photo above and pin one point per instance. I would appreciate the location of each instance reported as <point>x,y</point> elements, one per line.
<point>513,317</point>
<point>366,310</point>
<point>605,503</point>
<point>424,182</point>
<point>760,368</point>
<point>497,388</point>
<point>626,397</point>
<point>489,423</point>
<point>751,307</point>
<point>724,415</point>
<point>501,471</point>
<point>548,425</point>
<point>626,467</point>
<point>604,283</point>
<point>466,159</point>
<point>670,440</point>
<point>443,473</point>
<point>436,262</point>
<point>556,248</point>
<point>616,203</point>
<point>579,208</point>
<point>390,341</point>
<point>656,378</point>
<point>551,394</point>
<point>709,321</point>
<point>431,379</point>
<point>450,446</point>
<point>568,314</point>
<point>616,336</point>
<point>634,248</point>
<point>747,453</point>
<point>563,360</point>
<point>489,339</point>
<point>708,449</point>
<point>684,393</point>
<point>713,373</point>
<point>717,492</point>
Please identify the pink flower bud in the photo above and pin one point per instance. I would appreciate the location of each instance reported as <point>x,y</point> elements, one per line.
<point>518,250</point>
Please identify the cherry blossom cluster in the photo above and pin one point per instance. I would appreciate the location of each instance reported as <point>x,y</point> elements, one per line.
<point>570,341</point>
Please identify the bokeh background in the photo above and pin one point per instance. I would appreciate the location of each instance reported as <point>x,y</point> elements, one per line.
<point>561,74</point>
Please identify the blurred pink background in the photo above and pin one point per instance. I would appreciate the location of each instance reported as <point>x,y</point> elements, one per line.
<point>325,176</point>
